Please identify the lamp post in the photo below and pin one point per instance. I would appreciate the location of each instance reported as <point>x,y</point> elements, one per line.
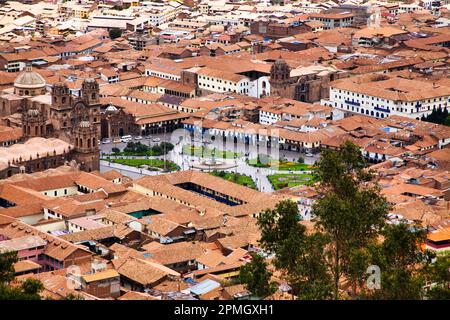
<point>164,145</point>
<point>164,140</point>
<point>213,158</point>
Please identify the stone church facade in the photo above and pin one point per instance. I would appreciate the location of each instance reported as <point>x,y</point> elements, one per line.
<point>75,120</point>
<point>306,87</point>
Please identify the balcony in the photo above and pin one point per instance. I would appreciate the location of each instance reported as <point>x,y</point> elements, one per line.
<point>353,103</point>
<point>382,109</point>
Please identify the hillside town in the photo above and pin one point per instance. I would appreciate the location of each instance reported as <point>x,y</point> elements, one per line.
<point>141,141</point>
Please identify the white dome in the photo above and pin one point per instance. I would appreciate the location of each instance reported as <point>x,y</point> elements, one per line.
<point>111,108</point>
<point>29,80</point>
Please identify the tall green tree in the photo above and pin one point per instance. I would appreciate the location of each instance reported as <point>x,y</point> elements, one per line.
<point>7,261</point>
<point>299,256</point>
<point>356,270</point>
<point>401,259</point>
<point>437,275</point>
<point>447,121</point>
<point>351,211</point>
<point>29,289</point>
<point>32,287</point>
<point>256,277</point>
<point>312,278</point>
<point>439,116</point>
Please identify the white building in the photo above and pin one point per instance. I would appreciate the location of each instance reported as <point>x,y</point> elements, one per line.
<point>222,81</point>
<point>381,96</point>
<point>161,13</point>
<point>333,20</point>
<point>269,116</point>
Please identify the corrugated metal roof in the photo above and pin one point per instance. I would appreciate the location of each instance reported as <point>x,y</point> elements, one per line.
<point>204,287</point>
<point>102,275</point>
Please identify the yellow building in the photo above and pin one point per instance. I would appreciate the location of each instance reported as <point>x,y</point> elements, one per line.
<point>80,13</point>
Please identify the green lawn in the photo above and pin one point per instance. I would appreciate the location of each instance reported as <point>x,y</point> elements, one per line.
<point>155,163</point>
<point>280,181</point>
<point>207,152</point>
<point>280,165</point>
<point>294,166</point>
<point>236,178</point>
<point>149,153</point>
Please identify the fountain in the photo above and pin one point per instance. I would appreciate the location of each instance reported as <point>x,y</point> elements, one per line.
<point>212,161</point>
<point>213,164</point>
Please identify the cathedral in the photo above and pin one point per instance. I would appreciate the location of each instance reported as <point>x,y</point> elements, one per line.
<point>307,84</point>
<point>58,116</point>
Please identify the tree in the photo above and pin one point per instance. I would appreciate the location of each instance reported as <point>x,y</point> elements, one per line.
<point>439,116</point>
<point>400,258</point>
<point>115,150</point>
<point>12,293</point>
<point>166,145</point>
<point>115,33</point>
<point>314,280</point>
<point>351,211</point>
<point>7,261</point>
<point>359,260</point>
<point>72,296</point>
<point>437,274</point>
<point>262,160</point>
<point>32,287</point>
<point>300,257</point>
<point>136,148</point>
<point>301,160</point>
<point>447,121</point>
<point>256,277</point>
<point>157,150</point>
<point>27,290</point>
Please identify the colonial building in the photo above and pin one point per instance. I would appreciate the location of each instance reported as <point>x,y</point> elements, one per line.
<point>306,84</point>
<point>87,152</point>
<point>68,126</point>
<point>275,30</point>
<point>66,110</point>
<point>381,96</point>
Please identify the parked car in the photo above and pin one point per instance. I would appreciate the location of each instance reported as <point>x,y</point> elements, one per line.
<point>156,140</point>
<point>126,139</point>
<point>106,141</point>
<point>138,138</point>
<point>309,154</point>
